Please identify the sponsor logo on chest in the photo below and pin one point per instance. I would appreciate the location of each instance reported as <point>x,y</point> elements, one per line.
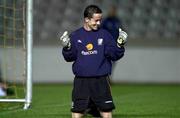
<point>90,47</point>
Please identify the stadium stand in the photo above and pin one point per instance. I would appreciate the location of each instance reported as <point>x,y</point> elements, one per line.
<point>145,19</point>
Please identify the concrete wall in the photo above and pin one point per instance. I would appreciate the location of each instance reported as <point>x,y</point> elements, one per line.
<point>140,64</point>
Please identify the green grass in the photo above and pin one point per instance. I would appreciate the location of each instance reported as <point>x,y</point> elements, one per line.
<point>132,101</point>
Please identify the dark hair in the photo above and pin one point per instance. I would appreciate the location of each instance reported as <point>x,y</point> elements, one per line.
<point>90,10</point>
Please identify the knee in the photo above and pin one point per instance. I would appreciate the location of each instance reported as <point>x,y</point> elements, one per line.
<point>77,115</point>
<point>106,114</point>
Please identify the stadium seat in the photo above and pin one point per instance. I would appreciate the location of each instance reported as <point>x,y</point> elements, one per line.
<point>141,18</point>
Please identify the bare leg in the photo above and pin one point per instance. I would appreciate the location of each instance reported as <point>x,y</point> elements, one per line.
<point>106,114</point>
<point>77,115</point>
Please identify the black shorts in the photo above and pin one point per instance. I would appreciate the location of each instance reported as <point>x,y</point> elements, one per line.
<point>88,91</point>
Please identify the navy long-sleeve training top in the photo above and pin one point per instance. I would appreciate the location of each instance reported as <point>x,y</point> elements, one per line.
<point>92,52</point>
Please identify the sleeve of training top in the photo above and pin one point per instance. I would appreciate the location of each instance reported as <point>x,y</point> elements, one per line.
<point>112,51</point>
<point>70,54</point>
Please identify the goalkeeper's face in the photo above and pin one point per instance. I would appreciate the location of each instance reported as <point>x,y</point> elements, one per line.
<point>94,22</point>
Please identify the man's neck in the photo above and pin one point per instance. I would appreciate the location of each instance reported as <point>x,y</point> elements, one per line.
<point>86,27</point>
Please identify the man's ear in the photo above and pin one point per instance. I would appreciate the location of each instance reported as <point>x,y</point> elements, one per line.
<point>86,20</point>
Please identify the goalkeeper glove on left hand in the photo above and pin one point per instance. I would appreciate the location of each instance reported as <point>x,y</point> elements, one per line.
<point>122,39</point>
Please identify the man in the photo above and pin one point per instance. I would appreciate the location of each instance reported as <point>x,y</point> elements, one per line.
<point>112,23</point>
<point>2,90</point>
<point>92,50</point>
<point>2,86</point>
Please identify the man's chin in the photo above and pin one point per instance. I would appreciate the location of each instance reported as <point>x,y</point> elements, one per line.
<point>95,28</point>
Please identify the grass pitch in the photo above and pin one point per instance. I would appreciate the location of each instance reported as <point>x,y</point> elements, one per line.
<point>132,101</point>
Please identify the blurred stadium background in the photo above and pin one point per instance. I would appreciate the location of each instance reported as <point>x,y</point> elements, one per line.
<point>153,49</point>
<point>152,56</point>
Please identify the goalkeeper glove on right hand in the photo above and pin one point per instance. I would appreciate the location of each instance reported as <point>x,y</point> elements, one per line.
<point>122,39</point>
<point>65,40</point>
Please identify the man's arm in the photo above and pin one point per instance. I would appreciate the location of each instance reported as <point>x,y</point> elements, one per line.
<point>69,52</point>
<point>114,50</point>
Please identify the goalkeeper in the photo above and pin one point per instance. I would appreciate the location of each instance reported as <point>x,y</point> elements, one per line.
<point>92,50</point>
